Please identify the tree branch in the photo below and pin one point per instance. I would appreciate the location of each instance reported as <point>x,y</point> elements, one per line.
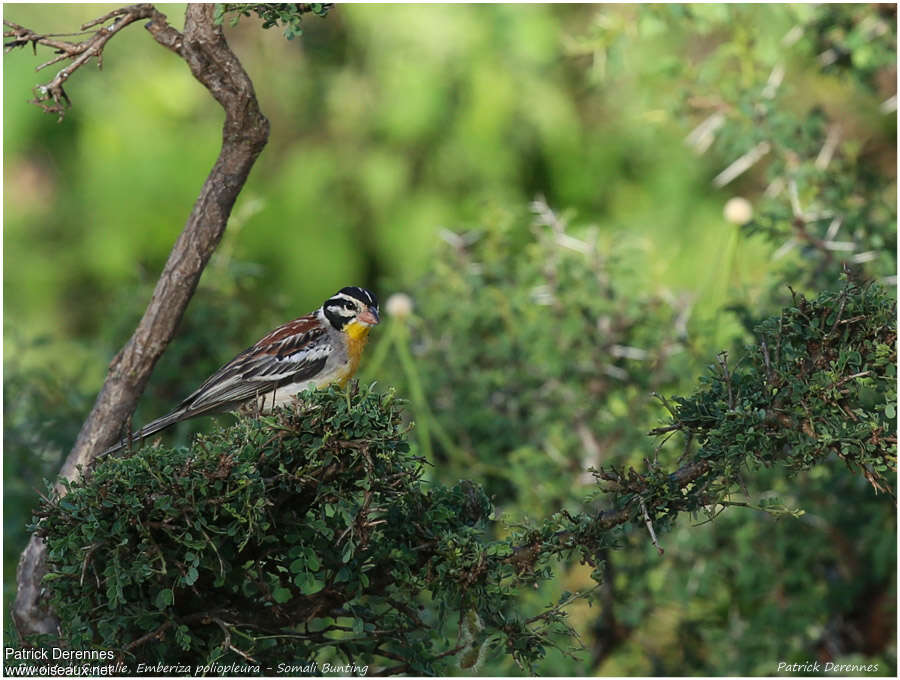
<point>52,97</point>
<point>524,556</point>
<point>245,133</point>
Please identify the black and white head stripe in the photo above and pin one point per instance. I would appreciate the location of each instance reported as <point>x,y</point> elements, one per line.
<point>367,297</point>
<point>347,303</point>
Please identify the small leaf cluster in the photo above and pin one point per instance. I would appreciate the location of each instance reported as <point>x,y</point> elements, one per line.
<point>288,15</point>
<point>819,382</point>
<point>858,40</point>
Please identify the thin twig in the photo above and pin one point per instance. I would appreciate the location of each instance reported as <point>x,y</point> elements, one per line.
<point>851,377</point>
<point>765,353</point>
<point>158,634</point>
<point>227,642</point>
<point>722,358</point>
<point>840,312</point>
<point>87,558</point>
<point>665,428</point>
<point>52,97</point>
<point>650,527</point>
<point>742,164</point>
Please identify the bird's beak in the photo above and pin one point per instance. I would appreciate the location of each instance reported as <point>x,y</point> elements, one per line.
<point>369,317</point>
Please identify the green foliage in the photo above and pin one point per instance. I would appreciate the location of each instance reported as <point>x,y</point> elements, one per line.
<point>316,516</point>
<point>44,407</point>
<point>383,131</point>
<point>791,406</point>
<point>42,414</point>
<point>860,41</point>
<point>815,356</point>
<point>821,381</point>
<point>823,190</point>
<point>457,116</point>
<point>310,534</point>
<point>813,579</point>
<point>289,15</point>
<point>535,355</point>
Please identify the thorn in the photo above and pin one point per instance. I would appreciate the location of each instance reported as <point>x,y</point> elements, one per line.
<point>650,528</point>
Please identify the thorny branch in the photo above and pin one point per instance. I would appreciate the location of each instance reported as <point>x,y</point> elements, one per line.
<point>524,556</point>
<point>52,97</point>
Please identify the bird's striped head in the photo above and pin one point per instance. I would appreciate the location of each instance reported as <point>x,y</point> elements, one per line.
<point>351,305</point>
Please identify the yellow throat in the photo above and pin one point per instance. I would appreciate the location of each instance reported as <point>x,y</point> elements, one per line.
<point>357,335</point>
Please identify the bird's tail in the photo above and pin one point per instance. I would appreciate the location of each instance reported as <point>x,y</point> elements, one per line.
<point>149,429</point>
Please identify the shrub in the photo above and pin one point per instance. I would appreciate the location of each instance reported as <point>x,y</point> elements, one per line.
<point>311,534</point>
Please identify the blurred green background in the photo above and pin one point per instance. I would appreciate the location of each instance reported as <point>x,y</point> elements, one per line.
<point>394,125</point>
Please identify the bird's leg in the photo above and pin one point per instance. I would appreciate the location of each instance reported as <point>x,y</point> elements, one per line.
<point>347,394</point>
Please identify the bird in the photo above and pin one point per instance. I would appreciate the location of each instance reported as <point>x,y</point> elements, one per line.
<point>316,350</point>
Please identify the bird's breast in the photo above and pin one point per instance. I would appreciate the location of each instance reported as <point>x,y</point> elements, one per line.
<point>357,336</point>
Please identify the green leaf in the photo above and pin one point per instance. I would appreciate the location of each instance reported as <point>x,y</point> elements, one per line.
<point>347,553</point>
<point>164,598</point>
<point>190,578</point>
<point>281,595</point>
